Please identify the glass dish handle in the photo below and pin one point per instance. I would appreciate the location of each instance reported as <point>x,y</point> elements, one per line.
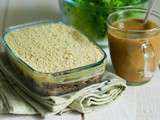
<point>149,59</point>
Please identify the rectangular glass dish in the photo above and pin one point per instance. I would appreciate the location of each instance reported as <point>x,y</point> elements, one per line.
<point>53,83</point>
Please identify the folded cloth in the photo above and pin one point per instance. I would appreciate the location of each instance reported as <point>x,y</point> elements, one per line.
<point>16,98</point>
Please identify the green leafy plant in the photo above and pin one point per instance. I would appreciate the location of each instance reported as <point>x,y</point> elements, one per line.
<point>89,16</point>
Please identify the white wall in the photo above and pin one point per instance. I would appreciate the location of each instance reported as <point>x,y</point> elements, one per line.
<point>2,11</point>
<point>21,11</point>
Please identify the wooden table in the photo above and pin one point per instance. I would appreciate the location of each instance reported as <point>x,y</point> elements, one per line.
<point>137,103</point>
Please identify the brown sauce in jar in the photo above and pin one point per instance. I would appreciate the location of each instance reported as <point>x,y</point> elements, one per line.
<point>126,53</point>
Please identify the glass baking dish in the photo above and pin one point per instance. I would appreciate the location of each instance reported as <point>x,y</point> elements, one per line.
<point>53,83</point>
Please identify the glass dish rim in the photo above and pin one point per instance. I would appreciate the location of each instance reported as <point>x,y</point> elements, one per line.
<point>65,72</point>
<point>154,13</point>
<point>97,6</point>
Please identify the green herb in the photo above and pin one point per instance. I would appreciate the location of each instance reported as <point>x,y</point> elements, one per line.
<point>89,16</point>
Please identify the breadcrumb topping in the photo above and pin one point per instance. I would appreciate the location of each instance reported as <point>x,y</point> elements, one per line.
<point>51,48</point>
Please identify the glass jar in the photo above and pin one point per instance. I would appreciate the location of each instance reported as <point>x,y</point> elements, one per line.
<point>90,17</point>
<point>134,46</point>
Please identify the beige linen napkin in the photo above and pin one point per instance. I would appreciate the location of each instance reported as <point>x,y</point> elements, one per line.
<point>16,98</point>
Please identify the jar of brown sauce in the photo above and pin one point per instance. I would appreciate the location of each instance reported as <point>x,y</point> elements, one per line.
<point>134,46</point>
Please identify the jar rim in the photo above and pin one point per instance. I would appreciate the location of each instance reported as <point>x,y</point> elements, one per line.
<point>154,13</point>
